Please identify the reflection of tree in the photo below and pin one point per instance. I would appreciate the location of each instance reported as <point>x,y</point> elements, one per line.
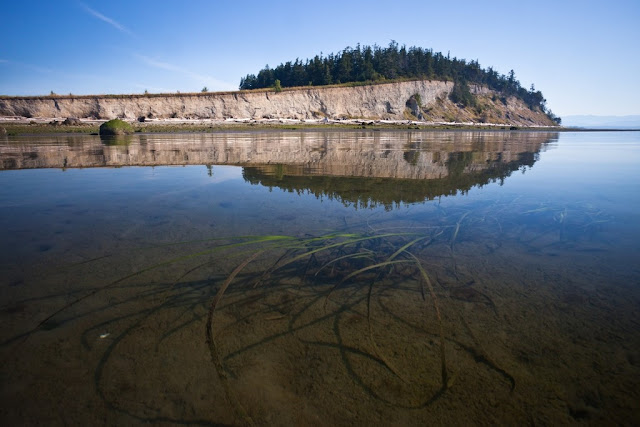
<point>365,192</point>
<point>411,156</point>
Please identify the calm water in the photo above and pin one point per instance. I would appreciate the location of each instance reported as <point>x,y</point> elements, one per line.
<point>321,278</point>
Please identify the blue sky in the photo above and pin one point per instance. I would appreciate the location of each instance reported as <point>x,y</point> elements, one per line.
<point>583,55</point>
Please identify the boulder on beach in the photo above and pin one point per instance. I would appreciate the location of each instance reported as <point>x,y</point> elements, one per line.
<point>115,127</point>
<point>74,121</point>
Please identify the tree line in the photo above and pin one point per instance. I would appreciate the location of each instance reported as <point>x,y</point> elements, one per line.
<point>394,62</point>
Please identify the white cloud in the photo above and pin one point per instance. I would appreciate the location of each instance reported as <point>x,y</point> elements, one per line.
<point>106,19</point>
<point>201,79</point>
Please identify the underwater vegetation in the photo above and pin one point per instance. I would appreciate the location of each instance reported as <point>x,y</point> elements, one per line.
<point>385,305</point>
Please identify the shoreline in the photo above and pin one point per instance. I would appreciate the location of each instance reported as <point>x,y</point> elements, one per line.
<point>44,125</point>
<point>38,125</point>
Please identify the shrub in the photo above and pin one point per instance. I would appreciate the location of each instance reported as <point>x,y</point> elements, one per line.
<point>115,127</point>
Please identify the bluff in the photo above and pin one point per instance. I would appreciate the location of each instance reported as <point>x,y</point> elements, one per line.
<point>411,100</point>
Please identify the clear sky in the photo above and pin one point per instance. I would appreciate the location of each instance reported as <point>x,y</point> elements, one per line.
<point>583,55</point>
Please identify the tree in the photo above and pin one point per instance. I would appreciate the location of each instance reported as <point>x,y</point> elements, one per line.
<point>344,67</point>
<point>265,77</point>
<point>277,86</point>
<point>512,84</point>
<point>299,74</point>
<point>204,89</point>
<point>461,94</point>
<point>249,82</point>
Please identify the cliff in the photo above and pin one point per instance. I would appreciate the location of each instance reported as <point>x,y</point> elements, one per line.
<point>413,100</point>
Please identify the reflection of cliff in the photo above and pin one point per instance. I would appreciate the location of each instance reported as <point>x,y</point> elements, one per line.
<point>370,192</point>
<point>391,154</point>
<point>415,168</point>
<point>361,168</point>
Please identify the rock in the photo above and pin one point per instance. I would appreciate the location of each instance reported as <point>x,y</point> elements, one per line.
<point>142,119</point>
<point>72,121</point>
<point>116,127</point>
<point>412,105</point>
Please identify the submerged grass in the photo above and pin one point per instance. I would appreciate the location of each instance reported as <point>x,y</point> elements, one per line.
<point>335,272</point>
<point>333,247</point>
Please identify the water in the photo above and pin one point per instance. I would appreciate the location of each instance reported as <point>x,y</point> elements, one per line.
<point>387,277</point>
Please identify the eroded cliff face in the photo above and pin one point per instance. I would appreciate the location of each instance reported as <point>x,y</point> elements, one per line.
<point>424,100</point>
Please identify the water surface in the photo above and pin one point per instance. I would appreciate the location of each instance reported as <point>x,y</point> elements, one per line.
<point>395,277</point>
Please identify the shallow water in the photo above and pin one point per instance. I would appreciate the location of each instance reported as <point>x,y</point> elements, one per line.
<point>394,277</point>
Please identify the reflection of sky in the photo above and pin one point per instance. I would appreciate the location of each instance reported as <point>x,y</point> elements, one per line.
<point>219,174</point>
<point>225,173</point>
<point>585,177</point>
<point>585,165</point>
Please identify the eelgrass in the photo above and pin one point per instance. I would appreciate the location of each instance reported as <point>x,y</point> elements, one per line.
<point>344,263</point>
<point>304,250</point>
<point>298,250</point>
<point>376,258</point>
